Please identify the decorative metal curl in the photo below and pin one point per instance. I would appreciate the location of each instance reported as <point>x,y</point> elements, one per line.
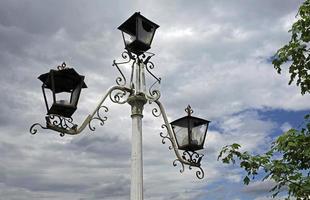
<point>62,66</point>
<point>99,117</point>
<point>142,57</point>
<point>145,59</point>
<point>199,173</point>
<point>34,130</point>
<point>156,112</point>
<point>154,94</point>
<point>149,66</point>
<point>182,165</point>
<point>165,137</point>
<point>119,96</point>
<point>192,156</point>
<point>56,122</point>
<point>121,80</point>
<point>60,122</point>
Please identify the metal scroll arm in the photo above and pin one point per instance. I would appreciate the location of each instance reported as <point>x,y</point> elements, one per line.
<point>117,94</point>
<point>154,94</point>
<point>121,80</point>
<point>192,159</point>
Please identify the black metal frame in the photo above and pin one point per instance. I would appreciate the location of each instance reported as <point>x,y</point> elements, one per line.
<point>137,46</point>
<point>188,119</point>
<point>56,108</point>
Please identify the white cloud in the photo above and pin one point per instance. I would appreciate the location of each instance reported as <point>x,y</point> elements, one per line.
<point>286,126</point>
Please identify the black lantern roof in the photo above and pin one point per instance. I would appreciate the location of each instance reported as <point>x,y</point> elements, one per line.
<point>65,80</point>
<point>183,122</point>
<point>129,26</point>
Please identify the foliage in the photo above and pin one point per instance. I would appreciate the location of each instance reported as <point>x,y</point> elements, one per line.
<point>287,162</point>
<point>296,52</point>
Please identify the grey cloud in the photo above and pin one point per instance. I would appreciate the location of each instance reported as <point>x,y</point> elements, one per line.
<point>261,187</point>
<point>103,145</point>
<point>218,73</point>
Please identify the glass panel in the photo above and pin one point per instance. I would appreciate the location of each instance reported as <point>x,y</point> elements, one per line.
<point>49,96</point>
<point>75,96</point>
<point>128,38</point>
<point>181,136</point>
<point>63,98</point>
<point>146,32</point>
<point>198,134</point>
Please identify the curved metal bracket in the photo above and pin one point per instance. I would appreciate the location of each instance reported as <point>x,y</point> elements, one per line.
<point>192,159</point>
<point>117,94</point>
<point>98,116</point>
<point>57,123</point>
<point>33,130</point>
<point>199,173</point>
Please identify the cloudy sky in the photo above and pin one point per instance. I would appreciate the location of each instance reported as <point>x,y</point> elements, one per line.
<point>214,55</point>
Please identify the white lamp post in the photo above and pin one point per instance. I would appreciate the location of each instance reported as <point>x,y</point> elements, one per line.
<point>138,33</point>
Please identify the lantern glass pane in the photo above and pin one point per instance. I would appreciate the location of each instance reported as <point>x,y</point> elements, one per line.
<point>49,96</point>
<point>145,32</point>
<point>181,134</point>
<point>63,98</point>
<point>75,96</point>
<point>128,38</point>
<point>198,134</point>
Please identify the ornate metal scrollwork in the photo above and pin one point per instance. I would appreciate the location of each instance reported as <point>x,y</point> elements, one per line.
<point>182,165</point>
<point>192,157</point>
<point>165,137</point>
<point>62,66</point>
<point>99,117</point>
<point>154,94</point>
<point>33,130</point>
<point>63,124</point>
<point>121,80</point>
<point>156,112</point>
<point>199,173</point>
<point>119,96</point>
<point>56,122</point>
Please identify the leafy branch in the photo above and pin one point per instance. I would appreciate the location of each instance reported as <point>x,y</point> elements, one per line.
<point>287,163</point>
<point>296,52</point>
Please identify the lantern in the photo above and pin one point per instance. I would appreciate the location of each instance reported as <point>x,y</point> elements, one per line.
<point>65,85</point>
<point>138,33</point>
<point>190,132</point>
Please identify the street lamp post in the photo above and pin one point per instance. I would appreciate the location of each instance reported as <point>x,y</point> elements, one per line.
<point>187,134</point>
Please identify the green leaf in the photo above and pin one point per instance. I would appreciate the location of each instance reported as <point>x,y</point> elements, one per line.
<point>235,146</point>
<point>246,180</point>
